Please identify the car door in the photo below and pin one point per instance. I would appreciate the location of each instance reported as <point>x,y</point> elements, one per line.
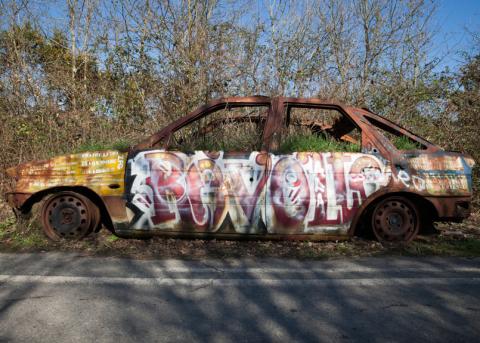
<point>210,177</point>
<point>319,175</point>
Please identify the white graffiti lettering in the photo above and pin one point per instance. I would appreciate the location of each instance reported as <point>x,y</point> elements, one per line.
<point>295,193</point>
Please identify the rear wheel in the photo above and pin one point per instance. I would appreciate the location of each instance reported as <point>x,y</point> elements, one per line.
<point>395,220</point>
<point>69,215</point>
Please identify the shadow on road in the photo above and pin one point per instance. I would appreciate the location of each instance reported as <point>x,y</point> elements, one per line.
<point>363,311</point>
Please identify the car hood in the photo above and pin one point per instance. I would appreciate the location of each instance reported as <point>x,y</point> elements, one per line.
<point>96,170</point>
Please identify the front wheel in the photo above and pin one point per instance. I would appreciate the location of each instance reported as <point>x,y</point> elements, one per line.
<point>395,220</point>
<point>69,215</point>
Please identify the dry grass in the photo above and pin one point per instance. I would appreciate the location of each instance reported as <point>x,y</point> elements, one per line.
<point>451,240</point>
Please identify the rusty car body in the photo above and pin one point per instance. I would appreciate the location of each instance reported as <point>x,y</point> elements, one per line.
<point>154,189</point>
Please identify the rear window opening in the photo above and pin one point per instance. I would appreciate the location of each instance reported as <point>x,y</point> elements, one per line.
<point>319,130</point>
<point>230,129</point>
<point>400,140</point>
<point>318,142</point>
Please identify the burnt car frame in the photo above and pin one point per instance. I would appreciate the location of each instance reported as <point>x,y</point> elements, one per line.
<point>154,189</point>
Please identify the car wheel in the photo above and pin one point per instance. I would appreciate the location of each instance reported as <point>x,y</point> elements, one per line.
<point>69,215</point>
<point>395,220</point>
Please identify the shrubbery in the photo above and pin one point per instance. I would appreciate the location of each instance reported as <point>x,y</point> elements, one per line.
<point>317,143</point>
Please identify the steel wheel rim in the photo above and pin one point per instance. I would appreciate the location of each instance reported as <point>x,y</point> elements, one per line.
<point>395,220</point>
<point>66,216</point>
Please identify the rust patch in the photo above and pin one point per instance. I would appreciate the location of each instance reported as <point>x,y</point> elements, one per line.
<point>101,171</point>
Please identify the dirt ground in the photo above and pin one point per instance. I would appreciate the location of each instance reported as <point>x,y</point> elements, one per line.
<point>448,240</point>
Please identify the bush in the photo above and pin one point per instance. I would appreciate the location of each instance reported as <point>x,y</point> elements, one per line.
<point>317,143</point>
<point>404,143</point>
<point>121,145</point>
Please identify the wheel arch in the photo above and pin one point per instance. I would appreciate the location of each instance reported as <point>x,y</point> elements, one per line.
<point>428,211</point>
<point>105,217</point>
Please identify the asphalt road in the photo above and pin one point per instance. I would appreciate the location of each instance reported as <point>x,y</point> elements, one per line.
<point>55,297</point>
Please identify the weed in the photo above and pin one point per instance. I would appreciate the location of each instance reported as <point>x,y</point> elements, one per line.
<point>405,143</point>
<point>443,247</point>
<point>96,146</point>
<point>33,239</point>
<point>6,226</point>
<point>316,143</point>
<point>112,238</point>
<point>121,145</point>
<point>91,146</point>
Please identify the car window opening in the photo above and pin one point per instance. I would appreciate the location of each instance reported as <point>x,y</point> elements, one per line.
<point>398,139</point>
<point>320,130</point>
<point>230,129</point>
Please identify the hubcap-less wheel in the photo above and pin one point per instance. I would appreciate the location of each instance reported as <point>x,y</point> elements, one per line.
<point>395,220</point>
<point>69,215</point>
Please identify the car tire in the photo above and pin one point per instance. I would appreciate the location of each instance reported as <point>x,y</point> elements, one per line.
<point>395,220</point>
<point>69,215</point>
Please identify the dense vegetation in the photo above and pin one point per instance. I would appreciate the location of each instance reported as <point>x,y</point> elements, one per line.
<point>89,73</point>
<point>403,143</point>
<point>319,143</point>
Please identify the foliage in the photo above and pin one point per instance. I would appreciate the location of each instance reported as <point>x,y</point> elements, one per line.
<point>5,226</point>
<point>317,143</point>
<point>210,144</point>
<point>445,247</point>
<point>121,145</point>
<point>404,143</point>
<point>104,243</point>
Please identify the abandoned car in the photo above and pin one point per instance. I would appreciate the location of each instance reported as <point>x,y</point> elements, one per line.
<point>254,167</point>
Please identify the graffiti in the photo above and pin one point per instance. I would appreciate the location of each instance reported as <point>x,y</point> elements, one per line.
<point>436,175</point>
<point>257,192</point>
<point>335,185</point>
<point>444,162</point>
<point>414,181</point>
<point>418,183</point>
<point>97,169</point>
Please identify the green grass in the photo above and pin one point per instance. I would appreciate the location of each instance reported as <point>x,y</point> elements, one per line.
<point>443,247</point>
<point>316,143</point>
<point>28,237</point>
<point>5,226</point>
<point>235,142</point>
<point>405,143</point>
<point>112,238</point>
<point>32,239</point>
<point>96,146</point>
